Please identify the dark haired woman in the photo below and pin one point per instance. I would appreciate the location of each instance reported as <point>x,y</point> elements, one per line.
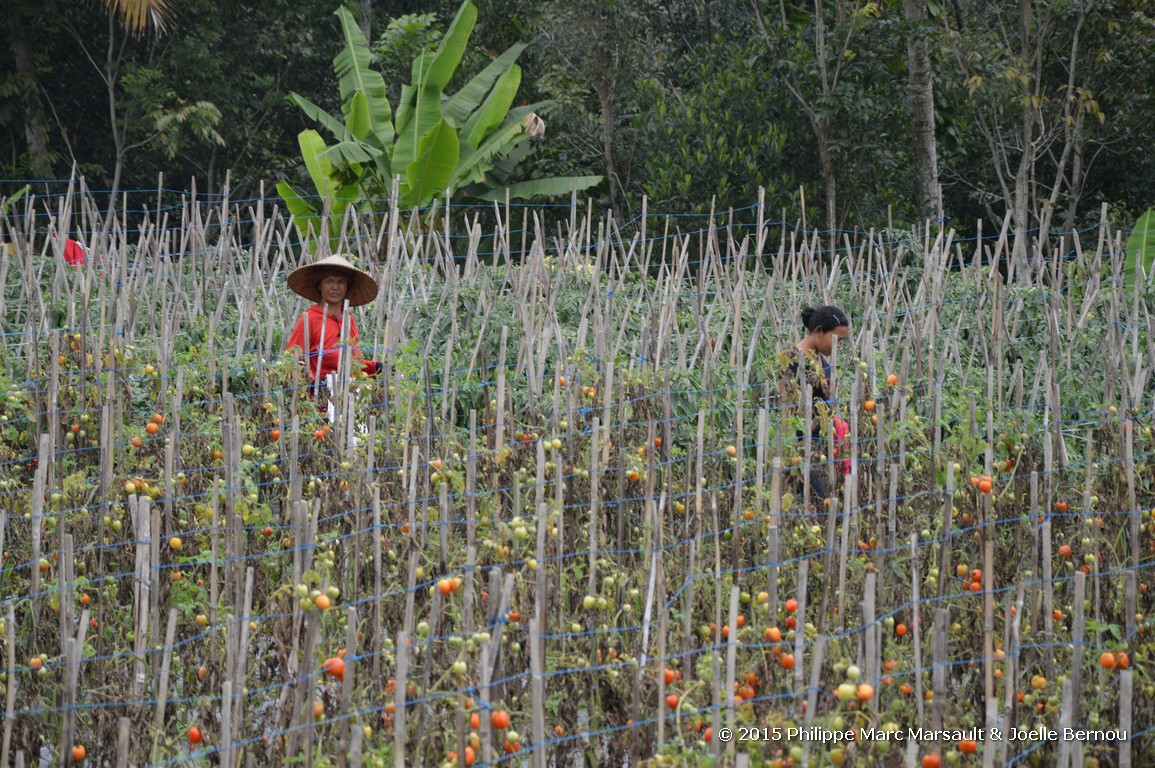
<point>329,282</point>
<point>822,326</point>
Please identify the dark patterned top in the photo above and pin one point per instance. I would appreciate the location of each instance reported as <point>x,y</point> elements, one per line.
<point>818,372</point>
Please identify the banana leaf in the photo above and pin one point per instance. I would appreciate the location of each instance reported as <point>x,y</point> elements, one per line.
<point>473,164</point>
<point>429,174</point>
<point>339,130</point>
<point>490,115</point>
<point>304,215</point>
<point>458,107</point>
<point>560,185</point>
<point>426,115</point>
<point>320,168</point>
<point>1141,247</point>
<point>352,154</point>
<point>355,75</point>
<point>452,48</point>
<point>13,198</point>
<point>405,108</point>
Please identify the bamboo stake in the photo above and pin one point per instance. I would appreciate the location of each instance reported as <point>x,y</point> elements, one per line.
<point>916,621</point>
<point>12,686</point>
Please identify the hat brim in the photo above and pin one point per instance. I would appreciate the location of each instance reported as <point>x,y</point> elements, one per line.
<point>362,287</point>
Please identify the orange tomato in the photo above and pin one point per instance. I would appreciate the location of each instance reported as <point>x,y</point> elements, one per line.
<point>335,667</point>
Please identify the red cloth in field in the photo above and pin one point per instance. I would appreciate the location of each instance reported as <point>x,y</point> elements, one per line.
<point>842,441</point>
<point>73,252</point>
<point>328,355</point>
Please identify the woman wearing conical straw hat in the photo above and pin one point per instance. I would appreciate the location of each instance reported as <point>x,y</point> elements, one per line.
<point>330,282</point>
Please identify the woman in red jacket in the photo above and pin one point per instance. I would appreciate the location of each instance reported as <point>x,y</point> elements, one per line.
<point>329,282</point>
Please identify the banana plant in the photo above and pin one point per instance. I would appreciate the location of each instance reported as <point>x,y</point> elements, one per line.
<point>7,202</point>
<point>434,143</point>
<point>1140,247</point>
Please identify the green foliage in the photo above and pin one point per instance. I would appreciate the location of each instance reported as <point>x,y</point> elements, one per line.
<point>1140,247</point>
<point>719,133</point>
<point>435,143</point>
<point>670,91</point>
<point>176,126</point>
<point>10,199</point>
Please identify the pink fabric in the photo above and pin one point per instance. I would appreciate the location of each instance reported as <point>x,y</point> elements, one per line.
<point>842,441</point>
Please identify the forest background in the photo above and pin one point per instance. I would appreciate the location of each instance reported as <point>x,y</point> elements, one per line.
<point>847,113</point>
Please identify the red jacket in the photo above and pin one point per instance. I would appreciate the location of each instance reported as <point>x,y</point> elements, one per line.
<point>330,354</point>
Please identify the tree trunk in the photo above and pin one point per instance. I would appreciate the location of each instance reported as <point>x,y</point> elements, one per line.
<point>1020,210</point>
<point>35,124</point>
<point>119,132</point>
<point>829,174</point>
<point>606,97</point>
<point>1072,140</point>
<point>1076,188</point>
<point>921,90</point>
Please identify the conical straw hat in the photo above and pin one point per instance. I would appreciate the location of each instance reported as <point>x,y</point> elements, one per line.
<point>362,287</point>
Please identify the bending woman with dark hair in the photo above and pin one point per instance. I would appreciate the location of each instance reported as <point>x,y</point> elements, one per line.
<point>822,326</point>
